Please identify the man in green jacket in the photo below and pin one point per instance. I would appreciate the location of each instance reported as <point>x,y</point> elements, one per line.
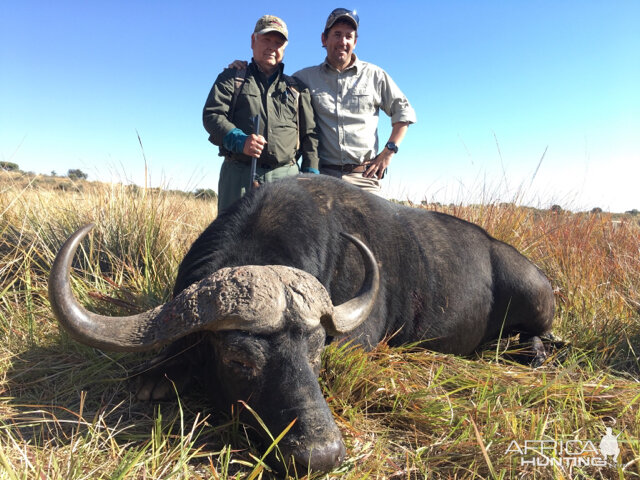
<point>283,105</point>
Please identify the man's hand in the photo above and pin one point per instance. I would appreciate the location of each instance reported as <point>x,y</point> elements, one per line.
<point>378,165</point>
<point>239,64</point>
<point>253,145</point>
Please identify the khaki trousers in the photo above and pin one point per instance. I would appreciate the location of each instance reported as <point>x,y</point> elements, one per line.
<point>369,184</point>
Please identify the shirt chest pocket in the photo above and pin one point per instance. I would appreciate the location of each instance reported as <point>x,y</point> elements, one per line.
<point>247,104</point>
<point>322,101</point>
<point>360,101</point>
<point>286,106</point>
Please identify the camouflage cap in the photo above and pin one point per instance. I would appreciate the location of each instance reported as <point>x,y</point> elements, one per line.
<point>342,14</point>
<point>269,23</point>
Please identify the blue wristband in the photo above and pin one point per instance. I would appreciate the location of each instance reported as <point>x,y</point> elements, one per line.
<point>234,140</point>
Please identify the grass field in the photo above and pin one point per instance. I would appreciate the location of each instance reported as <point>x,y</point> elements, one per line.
<point>67,412</point>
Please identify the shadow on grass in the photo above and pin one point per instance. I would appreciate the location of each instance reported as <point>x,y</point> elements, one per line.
<point>52,398</point>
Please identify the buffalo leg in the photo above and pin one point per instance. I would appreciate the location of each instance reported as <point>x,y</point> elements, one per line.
<point>163,383</point>
<point>165,375</point>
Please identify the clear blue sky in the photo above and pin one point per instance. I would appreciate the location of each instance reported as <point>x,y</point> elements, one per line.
<point>494,83</point>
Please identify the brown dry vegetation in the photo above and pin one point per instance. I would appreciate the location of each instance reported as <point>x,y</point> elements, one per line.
<point>66,410</point>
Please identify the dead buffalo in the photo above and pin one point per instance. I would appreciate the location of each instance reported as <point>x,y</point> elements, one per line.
<point>273,279</point>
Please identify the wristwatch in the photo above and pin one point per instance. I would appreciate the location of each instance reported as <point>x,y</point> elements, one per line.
<point>392,146</point>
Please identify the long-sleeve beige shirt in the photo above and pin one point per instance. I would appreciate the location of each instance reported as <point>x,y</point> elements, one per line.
<point>347,105</point>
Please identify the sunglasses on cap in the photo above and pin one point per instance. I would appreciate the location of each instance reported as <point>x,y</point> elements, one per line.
<point>339,13</point>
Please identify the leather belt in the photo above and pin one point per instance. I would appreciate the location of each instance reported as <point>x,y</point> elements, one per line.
<point>264,166</point>
<point>347,168</point>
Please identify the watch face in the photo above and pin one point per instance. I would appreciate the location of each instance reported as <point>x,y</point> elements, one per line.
<point>392,146</point>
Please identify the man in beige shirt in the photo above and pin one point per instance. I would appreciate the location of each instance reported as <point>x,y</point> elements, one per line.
<point>347,95</point>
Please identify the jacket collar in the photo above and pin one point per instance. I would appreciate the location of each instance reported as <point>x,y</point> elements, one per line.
<point>258,70</point>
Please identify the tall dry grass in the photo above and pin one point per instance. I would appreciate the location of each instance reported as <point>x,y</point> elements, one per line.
<point>66,411</point>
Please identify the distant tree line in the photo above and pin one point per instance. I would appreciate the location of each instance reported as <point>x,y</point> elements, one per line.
<point>77,174</point>
<point>205,194</point>
<point>9,167</point>
<point>72,173</point>
<point>209,194</point>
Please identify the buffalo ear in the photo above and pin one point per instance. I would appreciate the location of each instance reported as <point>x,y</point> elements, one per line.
<point>351,314</point>
<point>327,323</point>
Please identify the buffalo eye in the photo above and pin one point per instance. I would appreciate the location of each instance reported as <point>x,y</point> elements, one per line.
<point>240,354</point>
<point>241,365</point>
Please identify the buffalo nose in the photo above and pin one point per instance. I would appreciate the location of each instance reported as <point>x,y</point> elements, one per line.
<point>321,458</point>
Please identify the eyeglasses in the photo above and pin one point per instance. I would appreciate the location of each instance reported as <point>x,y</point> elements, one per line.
<point>342,12</point>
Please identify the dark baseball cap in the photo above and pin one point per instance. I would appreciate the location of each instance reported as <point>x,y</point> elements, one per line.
<point>342,14</point>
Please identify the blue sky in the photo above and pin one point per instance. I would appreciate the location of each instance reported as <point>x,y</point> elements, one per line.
<point>495,84</point>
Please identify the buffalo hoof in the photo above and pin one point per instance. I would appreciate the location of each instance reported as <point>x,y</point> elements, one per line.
<point>529,350</point>
<point>543,349</point>
<point>162,380</point>
<point>538,351</point>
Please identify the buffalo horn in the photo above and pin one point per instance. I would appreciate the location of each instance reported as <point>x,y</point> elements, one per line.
<point>182,315</point>
<point>145,331</point>
<point>349,315</point>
